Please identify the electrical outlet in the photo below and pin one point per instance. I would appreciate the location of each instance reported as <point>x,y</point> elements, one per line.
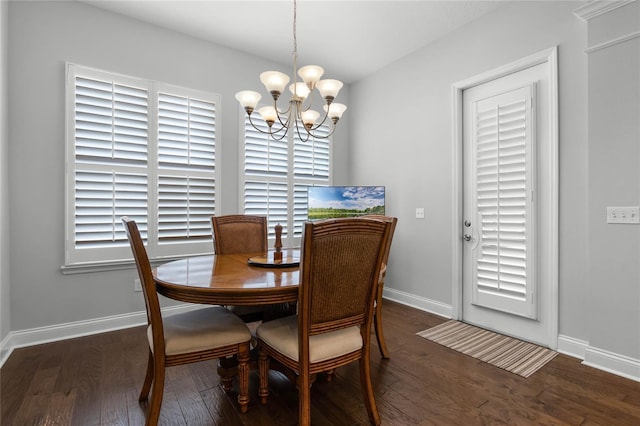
<point>623,215</point>
<point>137,286</point>
<point>419,213</point>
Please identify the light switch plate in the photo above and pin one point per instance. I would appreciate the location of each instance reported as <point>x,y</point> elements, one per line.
<point>623,214</point>
<point>419,213</point>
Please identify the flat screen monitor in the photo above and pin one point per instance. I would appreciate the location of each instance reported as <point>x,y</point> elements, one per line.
<point>326,202</point>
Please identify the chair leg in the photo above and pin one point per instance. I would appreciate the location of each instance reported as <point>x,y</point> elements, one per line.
<point>157,392</point>
<point>377,323</point>
<point>148,379</point>
<point>227,369</point>
<point>304,399</point>
<point>243,377</point>
<point>263,367</point>
<point>330,374</point>
<point>367,391</point>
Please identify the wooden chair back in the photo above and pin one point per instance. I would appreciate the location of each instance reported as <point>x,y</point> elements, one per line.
<point>154,317</point>
<point>393,221</point>
<point>340,265</point>
<point>234,234</point>
<point>377,313</point>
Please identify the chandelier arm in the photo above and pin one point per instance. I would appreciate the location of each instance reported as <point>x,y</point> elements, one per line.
<point>326,115</point>
<point>275,136</point>
<point>307,134</point>
<point>286,114</point>
<point>309,102</point>
<point>271,132</point>
<point>333,129</point>
<point>310,134</point>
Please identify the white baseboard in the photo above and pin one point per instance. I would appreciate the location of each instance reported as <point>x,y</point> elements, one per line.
<point>610,362</point>
<point>572,347</point>
<point>422,303</point>
<point>613,363</point>
<point>39,335</point>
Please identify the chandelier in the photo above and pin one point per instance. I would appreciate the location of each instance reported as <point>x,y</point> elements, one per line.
<point>298,116</point>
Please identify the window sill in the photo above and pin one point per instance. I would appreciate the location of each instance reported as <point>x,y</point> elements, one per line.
<point>90,267</point>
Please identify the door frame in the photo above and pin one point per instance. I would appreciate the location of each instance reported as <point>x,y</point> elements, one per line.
<point>549,56</point>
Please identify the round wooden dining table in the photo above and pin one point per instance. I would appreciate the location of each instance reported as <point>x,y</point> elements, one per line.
<point>231,279</point>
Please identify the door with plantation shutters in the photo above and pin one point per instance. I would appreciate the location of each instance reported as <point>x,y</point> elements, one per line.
<point>502,177</point>
<point>505,129</point>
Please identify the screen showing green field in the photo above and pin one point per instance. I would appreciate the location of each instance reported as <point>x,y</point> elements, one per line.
<point>328,202</point>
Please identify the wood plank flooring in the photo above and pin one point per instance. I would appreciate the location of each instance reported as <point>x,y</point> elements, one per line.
<point>95,380</point>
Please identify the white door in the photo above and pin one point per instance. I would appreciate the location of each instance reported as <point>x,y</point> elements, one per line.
<point>508,190</point>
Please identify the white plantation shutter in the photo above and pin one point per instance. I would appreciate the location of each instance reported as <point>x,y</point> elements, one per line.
<point>311,159</point>
<point>264,156</point>
<point>503,157</point>
<point>185,207</point>
<point>186,167</point>
<point>276,175</point>
<point>101,198</point>
<point>267,198</point>
<point>299,208</point>
<point>134,150</point>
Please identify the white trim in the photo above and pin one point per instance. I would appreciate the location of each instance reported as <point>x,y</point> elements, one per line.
<point>418,302</point>
<point>53,333</point>
<point>612,363</point>
<point>5,349</point>
<point>572,347</point>
<point>613,42</point>
<point>596,8</point>
<point>456,200</point>
<point>549,56</point>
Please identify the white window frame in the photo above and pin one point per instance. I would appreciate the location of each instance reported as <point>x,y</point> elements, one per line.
<point>92,259</point>
<point>293,237</point>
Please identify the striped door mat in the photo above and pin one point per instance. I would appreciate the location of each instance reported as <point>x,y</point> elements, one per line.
<point>505,352</point>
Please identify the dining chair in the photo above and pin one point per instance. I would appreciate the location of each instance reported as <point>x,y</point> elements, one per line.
<point>377,310</point>
<point>238,234</point>
<point>194,336</point>
<point>341,261</point>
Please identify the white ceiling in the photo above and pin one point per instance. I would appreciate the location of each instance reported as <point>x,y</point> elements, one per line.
<point>349,39</point>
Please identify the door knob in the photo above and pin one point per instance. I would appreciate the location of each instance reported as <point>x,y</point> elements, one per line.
<point>467,237</point>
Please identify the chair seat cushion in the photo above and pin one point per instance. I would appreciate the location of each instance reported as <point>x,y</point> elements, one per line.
<point>282,335</point>
<point>201,329</point>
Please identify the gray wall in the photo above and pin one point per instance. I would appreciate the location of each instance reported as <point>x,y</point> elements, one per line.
<point>598,277</point>
<point>42,37</point>
<point>5,306</point>
<point>614,180</point>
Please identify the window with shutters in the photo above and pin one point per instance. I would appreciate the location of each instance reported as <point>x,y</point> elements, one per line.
<point>141,149</point>
<point>276,174</point>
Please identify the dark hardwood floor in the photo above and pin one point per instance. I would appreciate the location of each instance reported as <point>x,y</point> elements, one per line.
<point>95,380</point>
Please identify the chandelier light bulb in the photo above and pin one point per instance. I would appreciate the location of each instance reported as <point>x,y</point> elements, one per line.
<point>309,118</point>
<point>248,99</point>
<point>274,82</point>
<point>329,89</point>
<point>300,90</point>
<point>335,111</point>
<point>268,114</point>
<point>311,74</point>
